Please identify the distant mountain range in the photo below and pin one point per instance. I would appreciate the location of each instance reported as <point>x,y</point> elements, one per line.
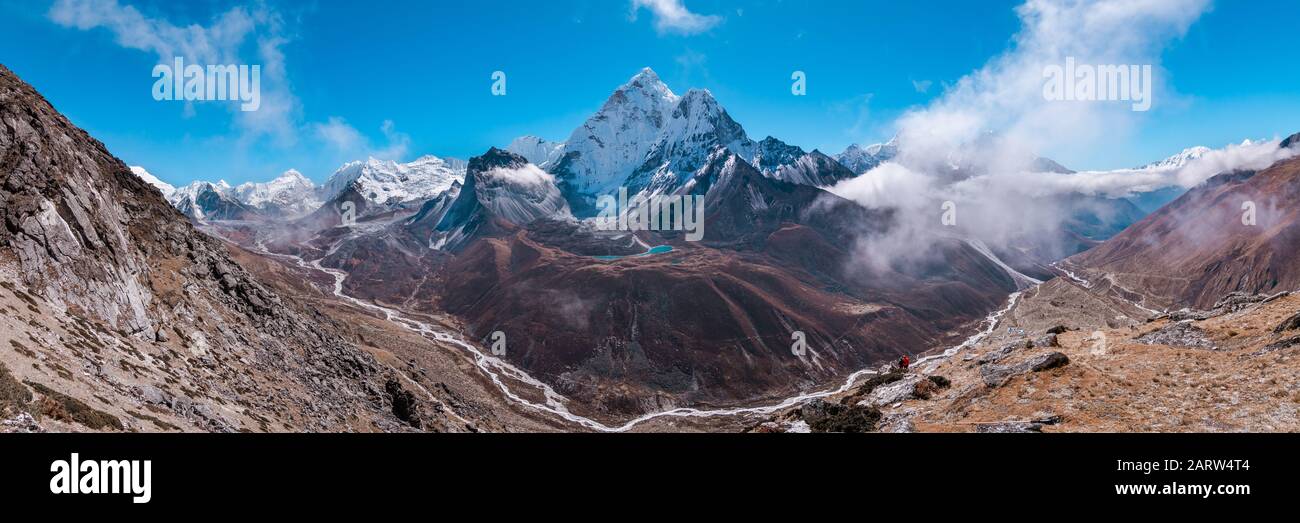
<point>382,183</point>
<point>1200,247</point>
<point>633,321</point>
<point>644,137</point>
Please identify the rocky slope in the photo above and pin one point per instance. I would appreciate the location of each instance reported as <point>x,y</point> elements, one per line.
<point>1199,247</point>
<point>121,316</point>
<point>502,191</point>
<point>1067,358</point>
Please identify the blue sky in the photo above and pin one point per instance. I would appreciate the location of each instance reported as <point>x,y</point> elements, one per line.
<point>410,78</point>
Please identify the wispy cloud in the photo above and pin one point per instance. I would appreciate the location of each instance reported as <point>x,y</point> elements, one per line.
<point>975,144</point>
<point>219,42</point>
<point>672,16</point>
<point>1006,94</point>
<point>693,67</point>
<point>347,142</point>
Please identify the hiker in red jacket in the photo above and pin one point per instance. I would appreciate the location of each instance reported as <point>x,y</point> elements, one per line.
<point>903,363</point>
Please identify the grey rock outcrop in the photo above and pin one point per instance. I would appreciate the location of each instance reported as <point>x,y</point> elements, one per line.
<point>103,247</point>
<point>1178,334</point>
<point>997,375</point>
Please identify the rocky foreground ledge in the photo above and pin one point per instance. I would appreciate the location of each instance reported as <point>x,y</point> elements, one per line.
<point>1228,368</point>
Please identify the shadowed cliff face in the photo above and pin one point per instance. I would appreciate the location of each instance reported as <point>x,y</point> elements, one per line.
<point>86,242</point>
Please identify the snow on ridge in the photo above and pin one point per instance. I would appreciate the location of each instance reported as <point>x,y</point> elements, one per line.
<point>521,195</point>
<point>615,140</point>
<point>167,189</point>
<point>387,181</point>
<point>538,151</point>
<point>291,192</point>
<point>1181,159</point>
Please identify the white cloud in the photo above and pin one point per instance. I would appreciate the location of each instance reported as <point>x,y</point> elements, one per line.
<point>399,144</point>
<point>1015,208</point>
<point>921,86</point>
<point>1005,95</point>
<point>347,142</point>
<point>1246,156</point>
<point>214,43</point>
<point>975,144</point>
<point>219,42</point>
<point>693,67</point>
<point>338,134</point>
<point>672,16</point>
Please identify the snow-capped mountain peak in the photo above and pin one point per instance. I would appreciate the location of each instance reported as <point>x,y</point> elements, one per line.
<point>771,154</point>
<point>198,186</point>
<point>644,89</point>
<point>650,140</point>
<point>536,150</point>
<point>888,149</point>
<point>697,127</point>
<point>290,193</point>
<point>1179,160</point>
<point>699,114</point>
<point>862,159</point>
<point>813,169</point>
<point>203,200</point>
<point>292,175</point>
<point>167,189</point>
<point>608,146</point>
<point>388,182</point>
<point>500,186</point>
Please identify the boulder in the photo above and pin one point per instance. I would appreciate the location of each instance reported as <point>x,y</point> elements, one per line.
<point>1180,334</point>
<point>1288,324</point>
<point>1189,314</point>
<point>153,395</point>
<point>892,393</point>
<point>925,389</point>
<point>1236,301</point>
<point>997,375</point>
<point>1047,361</point>
<point>998,355</point>
<point>823,416</point>
<point>404,403</point>
<point>1008,427</point>
<point>1278,345</point>
<point>897,423</point>
<point>766,427</point>
<point>23,423</point>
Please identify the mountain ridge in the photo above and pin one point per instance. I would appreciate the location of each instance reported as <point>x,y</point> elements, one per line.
<point>127,300</point>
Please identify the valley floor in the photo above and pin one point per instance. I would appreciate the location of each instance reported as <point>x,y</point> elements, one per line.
<point>1109,369</point>
<point>1115,379</point>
